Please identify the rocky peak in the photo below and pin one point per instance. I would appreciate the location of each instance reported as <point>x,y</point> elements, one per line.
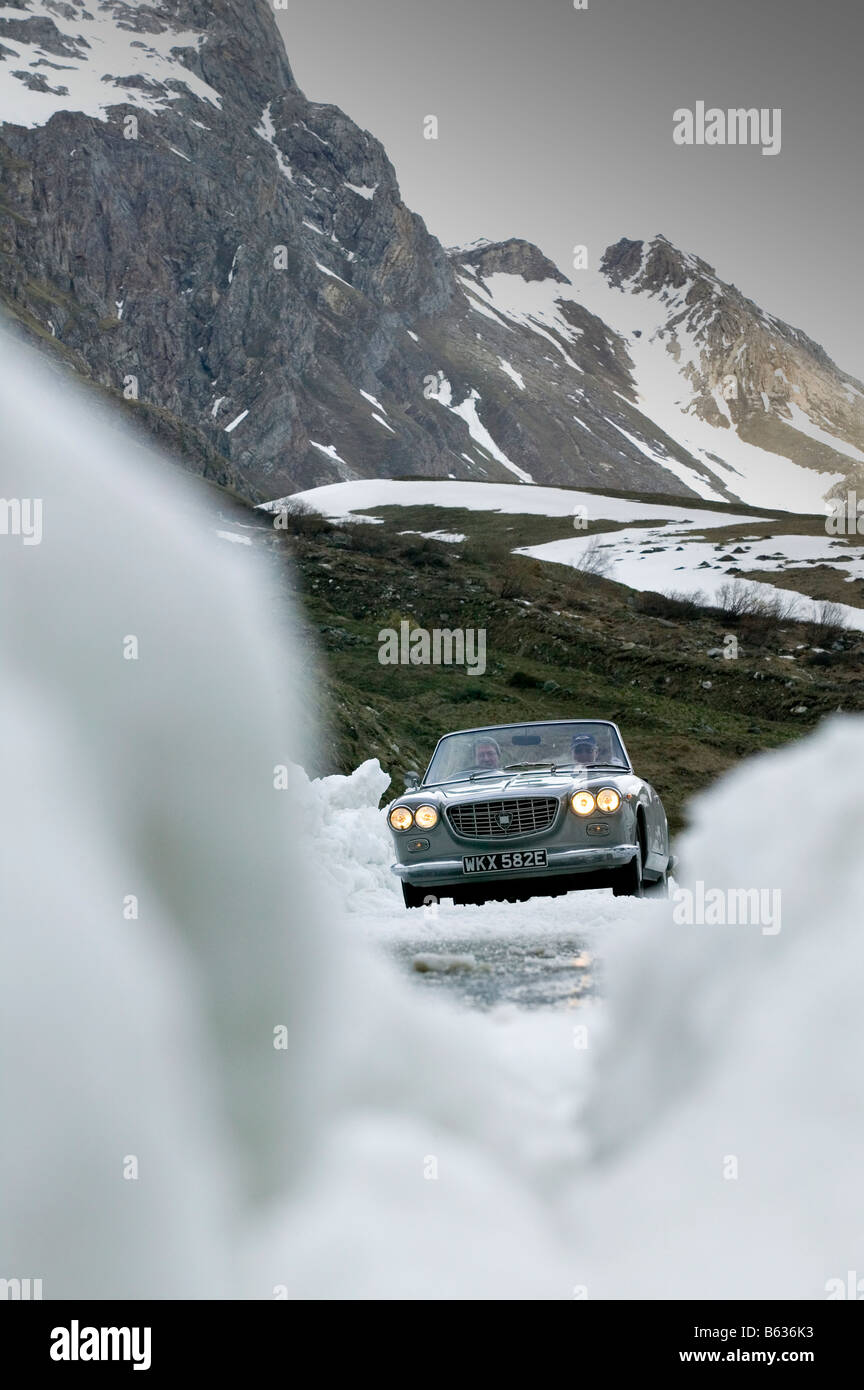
<point>513,257</point>
<point>184,228</point>
<point>648,267</point>
<point>740,370</point>
<point>90,57</point>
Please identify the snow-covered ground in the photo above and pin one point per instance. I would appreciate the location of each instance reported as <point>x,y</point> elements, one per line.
<point>340,501</point>
<point>705,1141</point>
<point>667,558</point>
<point>223,1076</point>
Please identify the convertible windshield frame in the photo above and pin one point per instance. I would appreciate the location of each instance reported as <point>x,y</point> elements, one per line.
<point>543,766</point>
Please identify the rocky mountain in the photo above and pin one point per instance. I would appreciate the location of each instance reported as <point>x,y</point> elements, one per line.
<point>761,402</point>
<point>188,232</point>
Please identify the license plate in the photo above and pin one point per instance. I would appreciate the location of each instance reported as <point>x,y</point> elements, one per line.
<point>501,862</point>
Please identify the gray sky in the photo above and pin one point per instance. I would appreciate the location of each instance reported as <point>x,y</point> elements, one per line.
<point>556,125</point>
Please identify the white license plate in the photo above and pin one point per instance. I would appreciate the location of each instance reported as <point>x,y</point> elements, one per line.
<point>501,862</point>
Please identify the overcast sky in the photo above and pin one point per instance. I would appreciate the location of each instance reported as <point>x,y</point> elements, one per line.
<point>556,125</point>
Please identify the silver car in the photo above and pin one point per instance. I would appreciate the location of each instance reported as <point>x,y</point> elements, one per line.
<point>520,810</point>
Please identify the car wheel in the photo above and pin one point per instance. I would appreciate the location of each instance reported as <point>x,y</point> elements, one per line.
<point>628,882</point>
<point>414,897</point>
<point>659,888</point>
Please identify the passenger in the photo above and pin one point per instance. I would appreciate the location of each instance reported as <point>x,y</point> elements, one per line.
<point>583,750</point>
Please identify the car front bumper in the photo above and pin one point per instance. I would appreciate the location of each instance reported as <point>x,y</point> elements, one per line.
<point>558,861</point>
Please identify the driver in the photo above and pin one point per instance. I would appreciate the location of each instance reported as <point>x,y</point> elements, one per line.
<point>487,753</point>
<point>583,750</point>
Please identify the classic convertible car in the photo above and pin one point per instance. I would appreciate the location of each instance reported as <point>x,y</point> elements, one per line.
<point>522,810</point>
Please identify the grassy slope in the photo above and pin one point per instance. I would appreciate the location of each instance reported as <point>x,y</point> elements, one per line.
<point>559,644</point>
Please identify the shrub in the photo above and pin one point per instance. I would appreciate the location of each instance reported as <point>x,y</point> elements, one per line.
<point>594,559</point>
<point>424,554</point>
<point>297,518</point>
<point>828,625</point>
<point>365,536</point>
<point>739,602</point>
<point>670,606</point>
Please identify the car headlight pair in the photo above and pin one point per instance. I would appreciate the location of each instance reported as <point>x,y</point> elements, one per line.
<point>402,817</point>
<point>584,803</point>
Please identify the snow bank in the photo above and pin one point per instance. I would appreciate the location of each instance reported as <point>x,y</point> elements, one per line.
<point>215,1089</point>
<point>345,833</point>
<point>227,1091</point>
<point>158,918</point>
<point>727,1044</point>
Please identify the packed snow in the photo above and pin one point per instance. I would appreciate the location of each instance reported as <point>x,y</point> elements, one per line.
<point>235,1085</point>
<point>339,501</point>
<point>451,537</point>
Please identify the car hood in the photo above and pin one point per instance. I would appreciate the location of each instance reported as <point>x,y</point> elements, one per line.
<point>516,784</point>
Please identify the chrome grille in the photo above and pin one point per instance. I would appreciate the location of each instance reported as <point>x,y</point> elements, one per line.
<point>491,820</point>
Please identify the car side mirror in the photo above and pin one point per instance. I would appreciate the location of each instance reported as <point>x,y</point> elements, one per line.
<point>412,780</point>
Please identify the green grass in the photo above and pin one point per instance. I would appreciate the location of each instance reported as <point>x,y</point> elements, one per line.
<point>575,646</point>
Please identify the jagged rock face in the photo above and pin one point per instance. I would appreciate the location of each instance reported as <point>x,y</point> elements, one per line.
<point>743,370</point>
<point>513,257</point>
<point>181,225</point>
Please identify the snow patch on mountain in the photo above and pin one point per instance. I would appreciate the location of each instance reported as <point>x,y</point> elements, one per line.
<point>443,393</point>
<point>267,132</point>
<point>533,304</point>
<point>663,339</point>
<point>512,373</point>
<point>801,421</point>
<point>92,61</point>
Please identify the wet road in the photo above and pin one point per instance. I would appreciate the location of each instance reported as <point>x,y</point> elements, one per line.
<point>552,972</point>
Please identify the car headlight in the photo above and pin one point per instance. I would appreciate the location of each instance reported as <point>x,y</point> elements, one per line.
<point>608,800</point>
<point>401,818</point>
<point>583,803</point>
<point>425,817</point>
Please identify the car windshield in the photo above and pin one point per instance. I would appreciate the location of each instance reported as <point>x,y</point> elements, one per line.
<point>521,747</point>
